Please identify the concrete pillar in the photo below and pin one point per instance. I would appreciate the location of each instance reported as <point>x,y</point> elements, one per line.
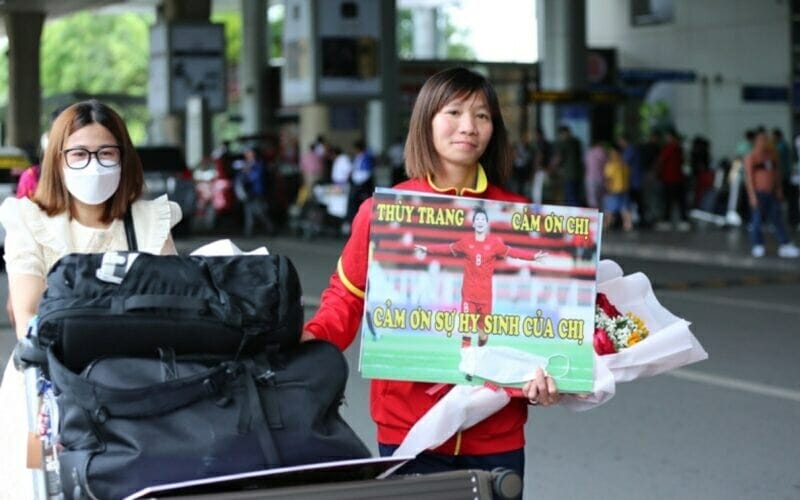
<point>381,117</point>
<point>24,30</point>
<point>198,130</point>
<point>314,121</point>
<point>425,37</point>
<point>562,45</point>
<point>253,66</point>
<point>169,128</point>
<point>375,120</point>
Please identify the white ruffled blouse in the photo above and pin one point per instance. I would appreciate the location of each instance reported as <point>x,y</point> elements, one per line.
<point>34,241</point>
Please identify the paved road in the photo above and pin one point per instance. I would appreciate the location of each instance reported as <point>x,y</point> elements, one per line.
<point>726,428</point>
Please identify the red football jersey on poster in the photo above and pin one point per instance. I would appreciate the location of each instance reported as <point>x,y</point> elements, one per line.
<point>480,258</point>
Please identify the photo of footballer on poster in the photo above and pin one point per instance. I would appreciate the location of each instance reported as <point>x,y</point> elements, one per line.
<point>464,290</point>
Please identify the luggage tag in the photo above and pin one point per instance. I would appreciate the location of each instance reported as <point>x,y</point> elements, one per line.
<point>115,265</point>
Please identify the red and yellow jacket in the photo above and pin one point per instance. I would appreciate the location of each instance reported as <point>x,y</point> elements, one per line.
<point>396,406</point>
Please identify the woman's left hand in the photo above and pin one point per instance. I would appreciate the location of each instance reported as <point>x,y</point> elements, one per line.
<point>541,390</point>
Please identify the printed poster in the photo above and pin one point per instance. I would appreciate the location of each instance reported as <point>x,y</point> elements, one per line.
<point>465,291</point>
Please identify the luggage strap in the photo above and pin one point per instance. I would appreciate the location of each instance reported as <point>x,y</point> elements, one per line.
<point>130,233</point>
<point>103,401</point>
<point>252,416</point>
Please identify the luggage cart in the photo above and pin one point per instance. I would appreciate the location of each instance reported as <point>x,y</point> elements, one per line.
<point>42,417</point>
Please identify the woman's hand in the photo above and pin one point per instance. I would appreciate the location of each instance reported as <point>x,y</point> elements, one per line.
<point>541,390</point>
<point>306,335</point>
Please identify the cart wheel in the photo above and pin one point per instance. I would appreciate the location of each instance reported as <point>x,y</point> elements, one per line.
<point>506,483</point>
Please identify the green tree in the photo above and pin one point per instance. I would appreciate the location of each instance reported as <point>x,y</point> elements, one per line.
<point>3,75</point>
<point>454,49</point>
<point>233,35</point>
<point>654,117</point>
<point>87,52</point>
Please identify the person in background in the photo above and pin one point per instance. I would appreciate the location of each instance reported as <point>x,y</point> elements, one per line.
<point>251,188</point>
<point>594,161</point>
<point>29,179</point>
<point>312,169</point>
<point>342,167</point>
<point>523,164</point>
<point>790,187</point>
<point>631,156</point>
<point>396,156</point>
<point>617,183</point>
<point>91,177</point>
<point>763,184</point>
<point>702,174</point>
<point>648,151</point>
<point>362,183</point>
<point>670,172</point>
<point>541,162</point>
<point>457,145</point>
<point>568,164</point>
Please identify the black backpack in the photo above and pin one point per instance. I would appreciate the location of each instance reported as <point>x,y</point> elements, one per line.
<point>128,304</point>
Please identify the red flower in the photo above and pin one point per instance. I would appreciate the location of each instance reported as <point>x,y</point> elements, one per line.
<point>607,307</point>
<point>603,344</point>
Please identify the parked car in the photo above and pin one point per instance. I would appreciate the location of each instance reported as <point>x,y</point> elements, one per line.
<point>165,172</point>
<point>13,161</point>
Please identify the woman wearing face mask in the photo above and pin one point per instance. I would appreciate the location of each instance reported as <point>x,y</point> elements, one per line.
<point>456,146</point>
<point>91,177</point>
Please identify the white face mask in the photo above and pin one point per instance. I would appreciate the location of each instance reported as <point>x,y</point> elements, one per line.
<point>93,184</point>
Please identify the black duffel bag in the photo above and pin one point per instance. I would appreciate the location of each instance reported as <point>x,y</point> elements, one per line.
<point>126,304</point>
<point>129,423</point>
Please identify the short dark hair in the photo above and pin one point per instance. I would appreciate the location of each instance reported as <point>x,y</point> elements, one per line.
<point>438,90</point>
<point>52,195</point>
<point>479,210</point>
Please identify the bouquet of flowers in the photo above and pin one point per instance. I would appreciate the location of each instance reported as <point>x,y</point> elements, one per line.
<point>635,336</point>
<point>613,330</point>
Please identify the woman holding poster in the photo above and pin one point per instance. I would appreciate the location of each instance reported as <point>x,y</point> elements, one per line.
<point>457,145</point>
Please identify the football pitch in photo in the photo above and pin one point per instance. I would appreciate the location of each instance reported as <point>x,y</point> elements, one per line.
<point>433,357</point>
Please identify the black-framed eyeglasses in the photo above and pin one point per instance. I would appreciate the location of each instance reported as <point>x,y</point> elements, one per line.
<point>78,158</point>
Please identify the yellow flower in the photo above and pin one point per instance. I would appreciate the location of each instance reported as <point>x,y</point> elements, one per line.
<point>634,338</point>
<point>640,328</point>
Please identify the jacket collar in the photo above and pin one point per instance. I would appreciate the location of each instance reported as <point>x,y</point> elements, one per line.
<point>481,184</point>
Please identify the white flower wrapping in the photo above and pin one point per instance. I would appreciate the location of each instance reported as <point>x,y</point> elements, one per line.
<point>669,345</point>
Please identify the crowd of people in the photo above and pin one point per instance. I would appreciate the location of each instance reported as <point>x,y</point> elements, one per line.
<point>657,183</point>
